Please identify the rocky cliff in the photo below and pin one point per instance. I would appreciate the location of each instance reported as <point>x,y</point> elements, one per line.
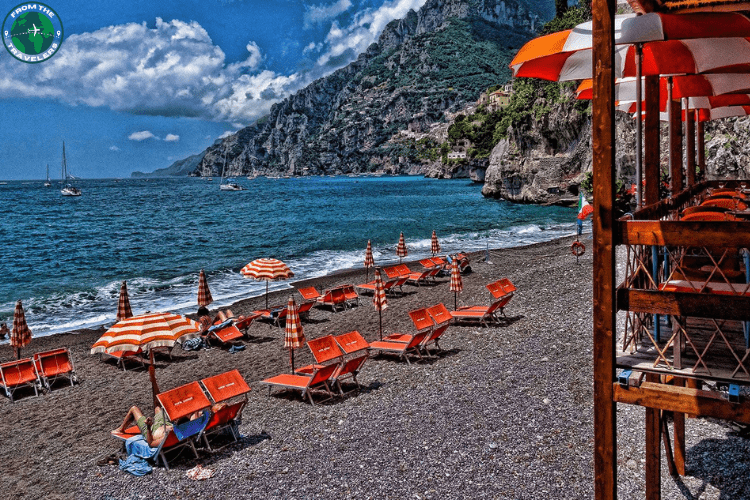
<point>435,60</point>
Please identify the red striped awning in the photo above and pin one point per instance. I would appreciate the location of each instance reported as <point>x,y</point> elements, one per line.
<point>435,247</point>
<point>401,250</point>
<point>379,300</point>
<point>267,269</point>
<point>123,304</point>
<point>457,284</point>
<point>146,331</point>
<point>21,334</point>
<point>369,260</point>
<point>294,337</point>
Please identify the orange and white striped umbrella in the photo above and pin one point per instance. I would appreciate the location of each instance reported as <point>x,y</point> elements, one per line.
<point>294,337</point>
<point>678,44</point>
<point>268,270</point>
<point>379,300</point>
<point>146,331</point>
<point>457,284</point>
<point>123,304</point>
<point>401,250</point>
<point>369,260</point>
<point>21,334</point>
<point>204,294</point>
<point>435,244</point>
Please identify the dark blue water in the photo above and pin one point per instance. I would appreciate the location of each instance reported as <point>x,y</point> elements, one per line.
<point>66,257</point>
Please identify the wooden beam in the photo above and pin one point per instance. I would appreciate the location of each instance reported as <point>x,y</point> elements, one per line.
<point>651,157</point>
<point>683,400</point>
<point>689,147</point>
<point>678,425</point>
<point>675,143</point>
<point>603,252</point>
<point>701,141</point>
<point>653,449</point>
<point>722,234</point>
<point>699,305</point>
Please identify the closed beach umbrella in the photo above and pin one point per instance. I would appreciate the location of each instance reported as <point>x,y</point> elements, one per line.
<point>123,305</point>
<point>379,299</point>
<point>204,294</point>
<point>401,248</point>
<point>268,270</point>
<point>456,284</point>
<point>294,337</point>
<point>369,260</point>
<point>435,244</point>
<point>21,335</point>
<point>146,332</point>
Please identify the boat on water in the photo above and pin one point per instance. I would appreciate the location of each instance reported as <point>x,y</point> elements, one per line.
<point>47,183</point>
<point>228,184</point>
<point>67,188</point>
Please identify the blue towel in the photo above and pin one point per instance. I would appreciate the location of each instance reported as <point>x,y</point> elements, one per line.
<point>191,427</point>
<point>221,326</point>
<point>138,447</point>
<point>135,465</point>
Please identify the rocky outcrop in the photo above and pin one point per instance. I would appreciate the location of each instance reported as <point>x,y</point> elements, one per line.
<point>432,61</point>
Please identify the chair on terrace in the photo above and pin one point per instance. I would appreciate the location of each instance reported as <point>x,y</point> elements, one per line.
<point>728,203</point>
<point>221,389</point>
<point>17,374</point>
<point>54,364</point>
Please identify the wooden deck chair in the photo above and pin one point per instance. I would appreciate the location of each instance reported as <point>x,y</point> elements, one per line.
<point>224,388</point>
<point>309,294</point>
<point>224,336</point>
<point>304,383</point>
<point>18,374</point>
<point>54,364</point>
<point>482,314</point>
<point>123,357</point>
<point>403,349</point>
<point>179,404</point>
<point>355,349</point>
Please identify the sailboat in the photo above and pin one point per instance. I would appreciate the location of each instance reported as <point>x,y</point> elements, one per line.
<point>228,184</point>
<point>47,183</point>
<point>68,189</point>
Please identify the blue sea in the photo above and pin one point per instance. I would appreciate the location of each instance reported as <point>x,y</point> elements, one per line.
<point>66,257</point>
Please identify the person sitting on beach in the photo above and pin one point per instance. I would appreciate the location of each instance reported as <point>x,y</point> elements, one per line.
<point>153,430</point>
<point>204,318</point>
<point>4,330</point>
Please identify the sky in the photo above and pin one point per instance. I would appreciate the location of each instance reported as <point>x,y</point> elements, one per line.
<point>137,85</point>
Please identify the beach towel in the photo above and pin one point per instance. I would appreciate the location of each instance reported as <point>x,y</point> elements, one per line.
<point>193,344</point>
<point>135,465</point>
<point>138,451</point>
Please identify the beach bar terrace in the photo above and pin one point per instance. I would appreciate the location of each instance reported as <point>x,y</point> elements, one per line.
<point>677,321</point>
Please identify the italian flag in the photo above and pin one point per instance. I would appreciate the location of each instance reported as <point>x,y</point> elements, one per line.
<point>584,207</point>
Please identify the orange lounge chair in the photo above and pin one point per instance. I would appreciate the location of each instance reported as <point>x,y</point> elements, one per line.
<point>428,264</point>
<point>482,314</point>
<point>121,357</point>
<point>729,203</point>
<point>225,335</point>
<point>310,294</point>
<point>356,352</point>
<point>333,298</point>
<point>304,383</point>
<point>51,365</point>
<point>501,287</point>
<point>273,315</point>
<point>401,348</point>
<point>418,278</point>
<point>392,272</point>
<point>303,310</point>
<point>244,323</point>
<point>351,295</point>
<point>442,318</point>
<point>422,322</point>
<point>17,374</point>
<point>325,350</point>
<point>222,388</point>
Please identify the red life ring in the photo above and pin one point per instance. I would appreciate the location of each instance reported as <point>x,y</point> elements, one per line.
<point>577,248</point>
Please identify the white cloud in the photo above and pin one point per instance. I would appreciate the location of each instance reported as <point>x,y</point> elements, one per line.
<point>172,138</point>
<point>174,69</point>
<point>318,14</point>
<point>114,148</point>
<point>227,134</point>
<point>142,136</point>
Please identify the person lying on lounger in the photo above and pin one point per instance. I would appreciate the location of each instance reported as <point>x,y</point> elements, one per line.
<point>153,430</point>
<point>4,330</point>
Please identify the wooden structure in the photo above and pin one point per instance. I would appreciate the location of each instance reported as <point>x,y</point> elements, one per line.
<point>684,294</point>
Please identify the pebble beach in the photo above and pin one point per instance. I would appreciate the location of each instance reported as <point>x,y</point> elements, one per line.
<point>501,412</point>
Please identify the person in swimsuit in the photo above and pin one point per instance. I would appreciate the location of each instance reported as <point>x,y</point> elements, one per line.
<point>4,330</point>
<point>153,430</point>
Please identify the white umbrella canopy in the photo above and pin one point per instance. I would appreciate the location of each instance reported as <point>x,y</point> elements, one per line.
<point>267,269</point>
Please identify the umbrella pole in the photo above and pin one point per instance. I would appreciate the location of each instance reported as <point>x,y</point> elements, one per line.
<point>266,294</point>
<point>380,316</point>
<point>455,301</point>
<point>291,358</point>
<point>152,376</point>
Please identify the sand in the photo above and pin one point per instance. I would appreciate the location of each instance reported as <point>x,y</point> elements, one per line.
<point>502,412</point>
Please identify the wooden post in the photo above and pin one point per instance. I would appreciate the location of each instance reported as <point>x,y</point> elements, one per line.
<point>675,141</point>
<point>701,141</point>
<point>689,145</point>
<point>679,435</point>
<point>653,449</point>
<point>651,156</point>
<point>604,317</point>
